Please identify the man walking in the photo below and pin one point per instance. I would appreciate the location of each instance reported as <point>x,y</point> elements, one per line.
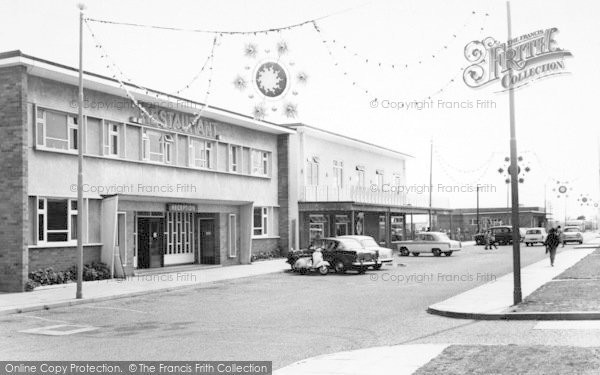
<point>551,243</point>
<point>559,234</point>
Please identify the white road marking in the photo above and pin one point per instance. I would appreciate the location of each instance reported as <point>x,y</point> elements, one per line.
<point>568,324</point>
<point>59,330</point>
<point>113,308</point>
<point>44,319</point>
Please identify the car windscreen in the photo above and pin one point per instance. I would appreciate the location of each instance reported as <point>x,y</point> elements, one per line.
<point>534,231</point>
<point>349,244</point>
<point>368,242</point>
<point>571,229</point>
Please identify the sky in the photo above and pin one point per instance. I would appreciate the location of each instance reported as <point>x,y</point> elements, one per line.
<point>557,127</point>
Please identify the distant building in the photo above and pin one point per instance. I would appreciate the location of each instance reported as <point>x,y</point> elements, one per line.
<point>466,219</point>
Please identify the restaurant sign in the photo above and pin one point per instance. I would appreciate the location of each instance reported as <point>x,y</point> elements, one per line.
<point>515,63</point>
<point>179,121</point>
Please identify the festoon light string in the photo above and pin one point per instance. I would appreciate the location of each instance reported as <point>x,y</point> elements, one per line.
<point>399,65</point>
<point>329,46</point>
<point>118,74</point>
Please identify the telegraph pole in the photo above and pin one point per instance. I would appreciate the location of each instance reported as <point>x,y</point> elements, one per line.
<point>430,181</point>
<point>79,292</point>
<point>514,179</point>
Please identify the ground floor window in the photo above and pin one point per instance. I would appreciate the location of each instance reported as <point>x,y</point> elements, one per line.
<point>57,220</point>
<point>232,236</point>
<point>261,221</point>
<point>180,233</point>
<point>341,225</point>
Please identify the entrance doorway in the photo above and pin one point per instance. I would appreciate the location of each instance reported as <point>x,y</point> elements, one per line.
<point>150,242</point>
<point>206,239</point>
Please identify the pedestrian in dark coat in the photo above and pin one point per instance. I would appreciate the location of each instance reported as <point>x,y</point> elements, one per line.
<point>551,243</point>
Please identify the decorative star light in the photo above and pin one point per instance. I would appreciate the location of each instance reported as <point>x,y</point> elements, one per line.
<point>270,79</point>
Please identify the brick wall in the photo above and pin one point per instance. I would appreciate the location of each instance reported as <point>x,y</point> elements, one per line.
<point>283,194</point>
<point>61,258</point>
<point>14,221</point>
<point>265,245</point>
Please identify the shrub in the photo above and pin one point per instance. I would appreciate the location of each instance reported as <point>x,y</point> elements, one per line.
<point>91,272</point>
<point>265,255</point>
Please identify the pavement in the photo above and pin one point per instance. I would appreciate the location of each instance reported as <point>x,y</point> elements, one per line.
<point>494,300</point>
<point>61,295</point>
<point>392,360</point>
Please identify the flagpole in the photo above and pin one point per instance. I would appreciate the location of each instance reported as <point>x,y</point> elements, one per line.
<point>514,179</point>
<point>79,292</point>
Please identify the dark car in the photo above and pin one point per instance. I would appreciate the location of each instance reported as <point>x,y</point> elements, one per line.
<point>502,235</point>
<point>343,254</point>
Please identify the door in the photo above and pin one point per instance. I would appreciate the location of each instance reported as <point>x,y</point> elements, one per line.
<point>208,253</point>
<point>150,242</point>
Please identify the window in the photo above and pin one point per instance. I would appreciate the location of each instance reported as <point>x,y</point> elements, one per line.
<point>232,236</point>
<point>155,149</point>
<point>234,158</point>
<point>180,233</point>
<point>145,145</point>
<point>111,139</point>
<point>56,130</point>
<point>338,173</point>
<point>341,225</point>
<point>261,219</point>
<point>312,172</point>
<point>167,140</point>
<point>201,153</point>
<point>380,177</point>
<point>260,163</point>
<point>360,176</point>
<point>57,220</point>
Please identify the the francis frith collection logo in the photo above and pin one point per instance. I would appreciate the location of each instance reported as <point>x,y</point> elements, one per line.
<point>515,63</point>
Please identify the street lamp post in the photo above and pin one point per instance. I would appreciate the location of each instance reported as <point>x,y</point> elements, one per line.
<point>79,290</point>
<point>517,295</point>
<point>477,214</point>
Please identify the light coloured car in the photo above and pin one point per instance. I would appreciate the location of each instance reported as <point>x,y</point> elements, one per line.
<point>572,234</point>
<point>535,235</point>
<point>384,255</point>
<point>436,243</point>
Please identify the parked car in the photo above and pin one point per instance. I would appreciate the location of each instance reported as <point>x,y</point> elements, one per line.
<point>572,234</point>
<point>343,254</point>
<point>535,235</point>
<point>436,243</point>
<point>384,254</point>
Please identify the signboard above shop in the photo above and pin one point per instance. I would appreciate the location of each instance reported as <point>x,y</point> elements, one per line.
<point>178,121</point>
<point>181,207</point>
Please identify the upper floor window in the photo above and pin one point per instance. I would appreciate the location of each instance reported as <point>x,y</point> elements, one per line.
<point>312,172</point>
<point>380,177</point>
<point>201,153</point>
<point>234,158</point>
<point>157,146</point>
<point>338,173</point>
<point>56,130</point>
<point>111,139</point>
<point>260,163</point>
<point>360,176</point>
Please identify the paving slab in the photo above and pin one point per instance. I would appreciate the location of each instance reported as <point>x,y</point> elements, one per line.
<point>383,360</point>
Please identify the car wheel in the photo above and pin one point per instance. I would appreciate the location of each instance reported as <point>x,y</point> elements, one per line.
<point>447,253</point>
<point>323,270</point>
<point>415,254</point>
<point>303,271</point>
<point>580,242</point>
<point>377,266</point>
<point>404,252</point>
<point>436,252</point>
<point>339,267</point>
<point>362,270</point>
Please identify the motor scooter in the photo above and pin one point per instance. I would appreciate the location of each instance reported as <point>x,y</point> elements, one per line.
<point>312,263</point>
